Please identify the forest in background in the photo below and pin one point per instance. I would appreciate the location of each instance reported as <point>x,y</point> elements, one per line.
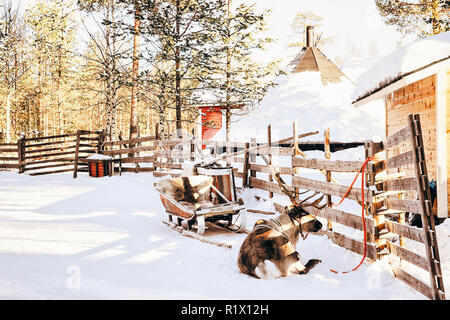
<point>126,65</point>
<point>131,66</point>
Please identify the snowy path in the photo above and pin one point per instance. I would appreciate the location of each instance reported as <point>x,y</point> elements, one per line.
<point>103,239</point>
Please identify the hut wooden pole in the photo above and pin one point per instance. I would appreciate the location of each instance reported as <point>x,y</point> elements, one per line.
<point>269,144</point>
<point>328,173</point>
<point>296,150</point>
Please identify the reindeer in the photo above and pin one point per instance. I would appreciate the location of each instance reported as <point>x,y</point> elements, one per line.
<point>269,251</point>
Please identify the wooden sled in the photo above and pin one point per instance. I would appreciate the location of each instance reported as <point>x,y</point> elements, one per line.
<point>192,201</point>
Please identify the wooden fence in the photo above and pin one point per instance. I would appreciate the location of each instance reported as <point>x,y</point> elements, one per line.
<point>166,157</point>
<point>9,156</point>
<point>132,155</point>
<point>60,153</point>
<point>50,154</point>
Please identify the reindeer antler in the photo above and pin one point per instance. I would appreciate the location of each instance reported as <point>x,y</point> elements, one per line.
<point>292,194</point>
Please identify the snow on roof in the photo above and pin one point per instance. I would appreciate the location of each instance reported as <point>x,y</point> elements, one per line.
<point>401,62</point>
<point>317,107</point>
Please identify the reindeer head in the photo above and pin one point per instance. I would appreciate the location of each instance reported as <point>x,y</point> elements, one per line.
<point>296,211</point>
<point>307,222</point>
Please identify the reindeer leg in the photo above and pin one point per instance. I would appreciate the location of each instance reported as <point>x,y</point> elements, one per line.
<point>309,265</point>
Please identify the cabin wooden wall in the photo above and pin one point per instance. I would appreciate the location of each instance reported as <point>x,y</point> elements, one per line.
<point>418,97</point>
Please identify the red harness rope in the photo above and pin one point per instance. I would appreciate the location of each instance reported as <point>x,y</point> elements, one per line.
<point>361,170</point>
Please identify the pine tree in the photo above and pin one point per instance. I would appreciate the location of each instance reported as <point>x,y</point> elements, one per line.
<point>423,17</point>
<point>180,47</point>
<point>238,78</point>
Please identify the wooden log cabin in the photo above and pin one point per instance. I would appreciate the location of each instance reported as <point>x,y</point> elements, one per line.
<point>416,79</point>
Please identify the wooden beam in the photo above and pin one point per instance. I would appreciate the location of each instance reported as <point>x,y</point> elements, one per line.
<point>77,149</point>
<point>414,283</point>
<point>327,165</point>
<point>408,255</point>
<point>330,188</point>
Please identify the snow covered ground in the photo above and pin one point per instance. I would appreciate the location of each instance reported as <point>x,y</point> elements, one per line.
<point>103,238</point>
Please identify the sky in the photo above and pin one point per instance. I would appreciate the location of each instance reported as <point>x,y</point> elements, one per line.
<point>355,26</point>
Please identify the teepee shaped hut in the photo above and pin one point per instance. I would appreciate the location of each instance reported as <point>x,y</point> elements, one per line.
<point>312,59</point>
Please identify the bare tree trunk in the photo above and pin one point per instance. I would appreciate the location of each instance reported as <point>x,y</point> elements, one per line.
<point>134,122</point>
<point>178,71</point>
<point>228,78</point>
<point>8,117</point>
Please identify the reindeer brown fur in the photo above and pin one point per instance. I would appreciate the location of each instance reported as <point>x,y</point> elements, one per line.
<point>269,251</point>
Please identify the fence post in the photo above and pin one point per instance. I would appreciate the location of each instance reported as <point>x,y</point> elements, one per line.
<point>373,237</point>
<point>327,151</point>
<point>296,153</point>
<point>252,158</point>
<point>101,139</point>
<point>21,153</point>
<point>77,149</point>
<point>269,156</point>
<point>246,167</point>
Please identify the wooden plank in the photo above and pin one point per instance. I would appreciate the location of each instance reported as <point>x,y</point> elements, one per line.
<point>129,150</point>
<point>280,151</point>
<point>77,149</point>
<point>168,165</point>
<point>398,184</point>
<point>38,145</point>
<point>132,141</point>
<point>9,165</point>
<point>406,231</point>
<point>327,165</point>
<point>150,159</point>
<point>262,168</point>
<point>414,283</point>
<point>49,160</point>
<point>403,205</point>
<point>344,218</point>
<point>266,185</point>
<point>12,150</point>
<point>290,139</point>
<point>9,158</point>
<point>351,244</point>
<point>407,255</point>
<point>50,137</point>
<point>330,188</point>
<point>392,140</point>
<point>49,155</point>
<point>61,148</point>
<point>400,160</point>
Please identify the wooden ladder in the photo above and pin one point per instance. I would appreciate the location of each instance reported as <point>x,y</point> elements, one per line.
<point>432,250</point>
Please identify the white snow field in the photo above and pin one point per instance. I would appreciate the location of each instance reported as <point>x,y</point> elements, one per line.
<point>103,238</point>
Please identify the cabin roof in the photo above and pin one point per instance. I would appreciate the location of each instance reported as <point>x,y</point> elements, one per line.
<point>420,55</point>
